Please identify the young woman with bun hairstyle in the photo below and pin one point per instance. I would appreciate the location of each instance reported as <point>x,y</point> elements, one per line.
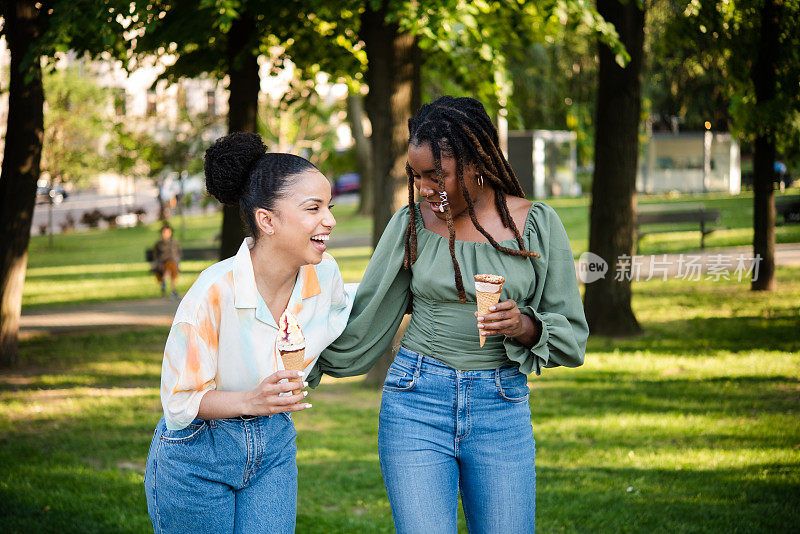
<point>222,457</point>
<point>455,414</point>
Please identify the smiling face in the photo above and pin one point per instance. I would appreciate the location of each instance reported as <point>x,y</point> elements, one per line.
<point>301,221</point>
<point>423,171</point>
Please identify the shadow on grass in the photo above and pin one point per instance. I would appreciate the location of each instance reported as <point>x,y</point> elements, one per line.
<point>610,393</point>
<point>697,336</point>
<point>661,500</point>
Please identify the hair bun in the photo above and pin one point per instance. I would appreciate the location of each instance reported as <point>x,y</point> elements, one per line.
<point>228,162</point>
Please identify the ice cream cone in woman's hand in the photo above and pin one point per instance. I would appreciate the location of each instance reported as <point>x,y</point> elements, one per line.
<point>291,346</point>
<point>487,289</point>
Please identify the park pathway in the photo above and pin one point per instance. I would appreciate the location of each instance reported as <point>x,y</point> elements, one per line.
<point>159,312</point>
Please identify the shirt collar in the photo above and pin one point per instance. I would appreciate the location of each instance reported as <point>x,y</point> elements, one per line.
<point>244,280</point>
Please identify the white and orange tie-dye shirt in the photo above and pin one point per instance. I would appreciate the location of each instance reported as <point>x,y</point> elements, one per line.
<point>223,336</point>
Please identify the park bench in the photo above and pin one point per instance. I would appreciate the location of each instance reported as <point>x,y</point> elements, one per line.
<point>204,253</point>
<point>699,214</point>
<point>788,208</point>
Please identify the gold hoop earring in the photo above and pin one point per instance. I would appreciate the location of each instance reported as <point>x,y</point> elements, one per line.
<point>480,180</point>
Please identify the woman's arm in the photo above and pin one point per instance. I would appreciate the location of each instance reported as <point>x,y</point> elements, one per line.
<point>550,328</point>
<point>380,303</point>
<point>262,400</point>
<point>560,309</point>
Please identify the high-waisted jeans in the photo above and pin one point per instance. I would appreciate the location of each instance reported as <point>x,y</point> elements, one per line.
<point>224,475</point>
<point>443,431</point>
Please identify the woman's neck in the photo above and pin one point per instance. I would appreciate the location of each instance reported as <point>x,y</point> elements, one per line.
<point>483,201</point>
<point>275,277</point>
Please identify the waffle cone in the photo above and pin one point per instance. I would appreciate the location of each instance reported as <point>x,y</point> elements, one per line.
<point>484,301</point>
<point>293,361</point>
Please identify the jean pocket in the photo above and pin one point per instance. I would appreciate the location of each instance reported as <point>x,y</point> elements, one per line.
<point>398,380</point>
<point>287,415</point>
<point>513,388</point>
<point>184,435</point>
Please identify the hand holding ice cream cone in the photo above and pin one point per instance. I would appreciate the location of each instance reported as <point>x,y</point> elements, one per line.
<point>291,345</point>
<point>487,290</point>
<point>502,318</point>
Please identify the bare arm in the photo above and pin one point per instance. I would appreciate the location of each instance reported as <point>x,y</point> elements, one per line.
<point>264,399</point>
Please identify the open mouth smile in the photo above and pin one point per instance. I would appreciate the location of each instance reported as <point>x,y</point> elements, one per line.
<point>436,206</point>
<point>319,241</point>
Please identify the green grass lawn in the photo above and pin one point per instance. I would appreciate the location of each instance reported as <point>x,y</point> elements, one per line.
<point>109,264</point>
<point>692,427</point>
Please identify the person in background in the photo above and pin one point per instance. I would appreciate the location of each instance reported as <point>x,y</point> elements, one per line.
<point>166,259</point>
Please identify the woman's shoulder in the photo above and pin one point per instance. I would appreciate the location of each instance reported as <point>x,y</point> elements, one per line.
<point>212,288</point>
<point>520,209</point>
<point>401,215</point>
<point>327,269</point>
<point>545,214</point>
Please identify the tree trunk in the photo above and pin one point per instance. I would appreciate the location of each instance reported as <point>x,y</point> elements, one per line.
<point>242,114</point>
<point>607,301</point>
<point>393,75</point>
<point>763,75</point>
<point>363,146</point>
<point>20,169</point>
<point>394,63</point>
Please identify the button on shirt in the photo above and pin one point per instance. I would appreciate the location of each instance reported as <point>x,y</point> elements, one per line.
<point>224,337</point>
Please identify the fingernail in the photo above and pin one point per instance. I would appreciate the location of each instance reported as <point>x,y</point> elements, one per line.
<point>308,405</point>
<point>480,325</point>
<point>480,319</point>
<point>300,374</point>
<point>305,393</point>
<point>492,308</point>
<point>305,384</point>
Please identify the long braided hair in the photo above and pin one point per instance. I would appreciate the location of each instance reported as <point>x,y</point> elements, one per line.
<point>460,128</point>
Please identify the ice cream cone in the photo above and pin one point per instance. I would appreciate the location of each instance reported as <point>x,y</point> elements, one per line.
<point>293,361</point>
<point>487,290</point>
<point>291,345</point>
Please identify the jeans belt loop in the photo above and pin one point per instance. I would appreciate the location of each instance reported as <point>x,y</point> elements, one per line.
<point>419,366</point>
<point>497,377</point>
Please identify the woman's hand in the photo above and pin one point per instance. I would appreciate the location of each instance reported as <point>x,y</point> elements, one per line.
<point>504,318</point>
<point>265,398</point>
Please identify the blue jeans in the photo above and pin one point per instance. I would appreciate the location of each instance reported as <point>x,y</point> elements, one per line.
<point>443,431</point>
<point>224,475</point>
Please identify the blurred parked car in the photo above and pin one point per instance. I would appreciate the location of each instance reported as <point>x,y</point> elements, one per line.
<point>347,183</point>
<point>48,193</point>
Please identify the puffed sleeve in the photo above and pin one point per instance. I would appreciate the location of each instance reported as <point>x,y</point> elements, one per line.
<point>556,302</point>
<point>342,296</point>
<point>187,373</point>
<point>378,309</point>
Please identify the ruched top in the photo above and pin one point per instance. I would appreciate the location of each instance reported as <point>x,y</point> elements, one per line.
<point>443,328</point>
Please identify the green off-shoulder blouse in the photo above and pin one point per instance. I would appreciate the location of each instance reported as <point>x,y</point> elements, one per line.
<point>443,328</point>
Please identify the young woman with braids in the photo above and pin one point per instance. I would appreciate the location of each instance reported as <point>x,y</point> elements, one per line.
<point>455,416</point>
<point>222,458</point>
